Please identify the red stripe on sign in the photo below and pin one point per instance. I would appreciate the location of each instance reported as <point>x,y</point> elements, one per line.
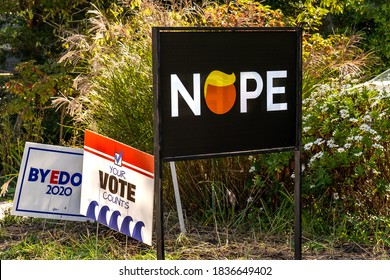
<point>117,151</point>
<point>128,166</point>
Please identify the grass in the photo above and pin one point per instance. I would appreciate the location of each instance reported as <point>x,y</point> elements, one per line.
<point>32,238</point>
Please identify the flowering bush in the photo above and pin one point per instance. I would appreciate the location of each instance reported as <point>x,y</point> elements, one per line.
<point>345,163</point>
<point>346,149</point>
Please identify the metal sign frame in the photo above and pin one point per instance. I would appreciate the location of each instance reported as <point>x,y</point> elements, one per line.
<point>160,157</point>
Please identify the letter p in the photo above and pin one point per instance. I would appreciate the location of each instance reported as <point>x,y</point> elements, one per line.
<point>246,94</point>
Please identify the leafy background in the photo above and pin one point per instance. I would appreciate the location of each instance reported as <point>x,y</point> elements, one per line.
<point>69,65</point>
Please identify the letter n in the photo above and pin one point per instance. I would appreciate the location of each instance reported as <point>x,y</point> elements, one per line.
<point>178,87</point>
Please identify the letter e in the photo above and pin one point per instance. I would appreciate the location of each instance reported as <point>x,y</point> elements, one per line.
<point>271,90</point>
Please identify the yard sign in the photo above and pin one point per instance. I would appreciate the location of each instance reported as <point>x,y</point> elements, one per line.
<point>118,186</point>
<point>49,183</point>
<point>224,92</point>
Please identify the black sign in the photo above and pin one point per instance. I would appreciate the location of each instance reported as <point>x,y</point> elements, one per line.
<point>227,91</point>
<point>221,92</point>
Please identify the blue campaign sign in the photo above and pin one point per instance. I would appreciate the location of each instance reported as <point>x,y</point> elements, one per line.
<point>49,183</point>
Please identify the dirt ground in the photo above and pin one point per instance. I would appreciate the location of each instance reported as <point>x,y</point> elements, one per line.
<point>208,243</point>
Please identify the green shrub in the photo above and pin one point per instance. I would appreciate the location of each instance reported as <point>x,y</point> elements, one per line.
<point>346,149</point>
<point>241,13</point>
<point>26,113</point>
<point>371,18</point>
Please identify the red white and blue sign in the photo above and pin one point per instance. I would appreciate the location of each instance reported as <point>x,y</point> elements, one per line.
<point>118,186</point>
<point>49,183</point>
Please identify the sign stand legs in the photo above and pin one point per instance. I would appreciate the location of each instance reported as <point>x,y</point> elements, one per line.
<point>298,207</point>
<point>159,209</point>
<point>177,197</point>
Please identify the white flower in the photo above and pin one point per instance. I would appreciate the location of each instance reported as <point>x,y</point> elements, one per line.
<point>353,120</point>
<point>331,143</point>
<point>308,146</point>
<point>323,88</point>
<point>324,108</point>
<point>319,141</point>
<point>347,145</point>
<point>367,118</point>
<point>358,154</point>
<point>376,172</point>
<point>381,115</point>
<point>367,128</point>
<point>340,150</point>
<point>252,169</point>
<point>306,129</point>
<point>316,156</point>
<point>358,138</point>
<point>377,146</point>
<point>250,199</point>
<point>336,196</point>
<point>344,113</point>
